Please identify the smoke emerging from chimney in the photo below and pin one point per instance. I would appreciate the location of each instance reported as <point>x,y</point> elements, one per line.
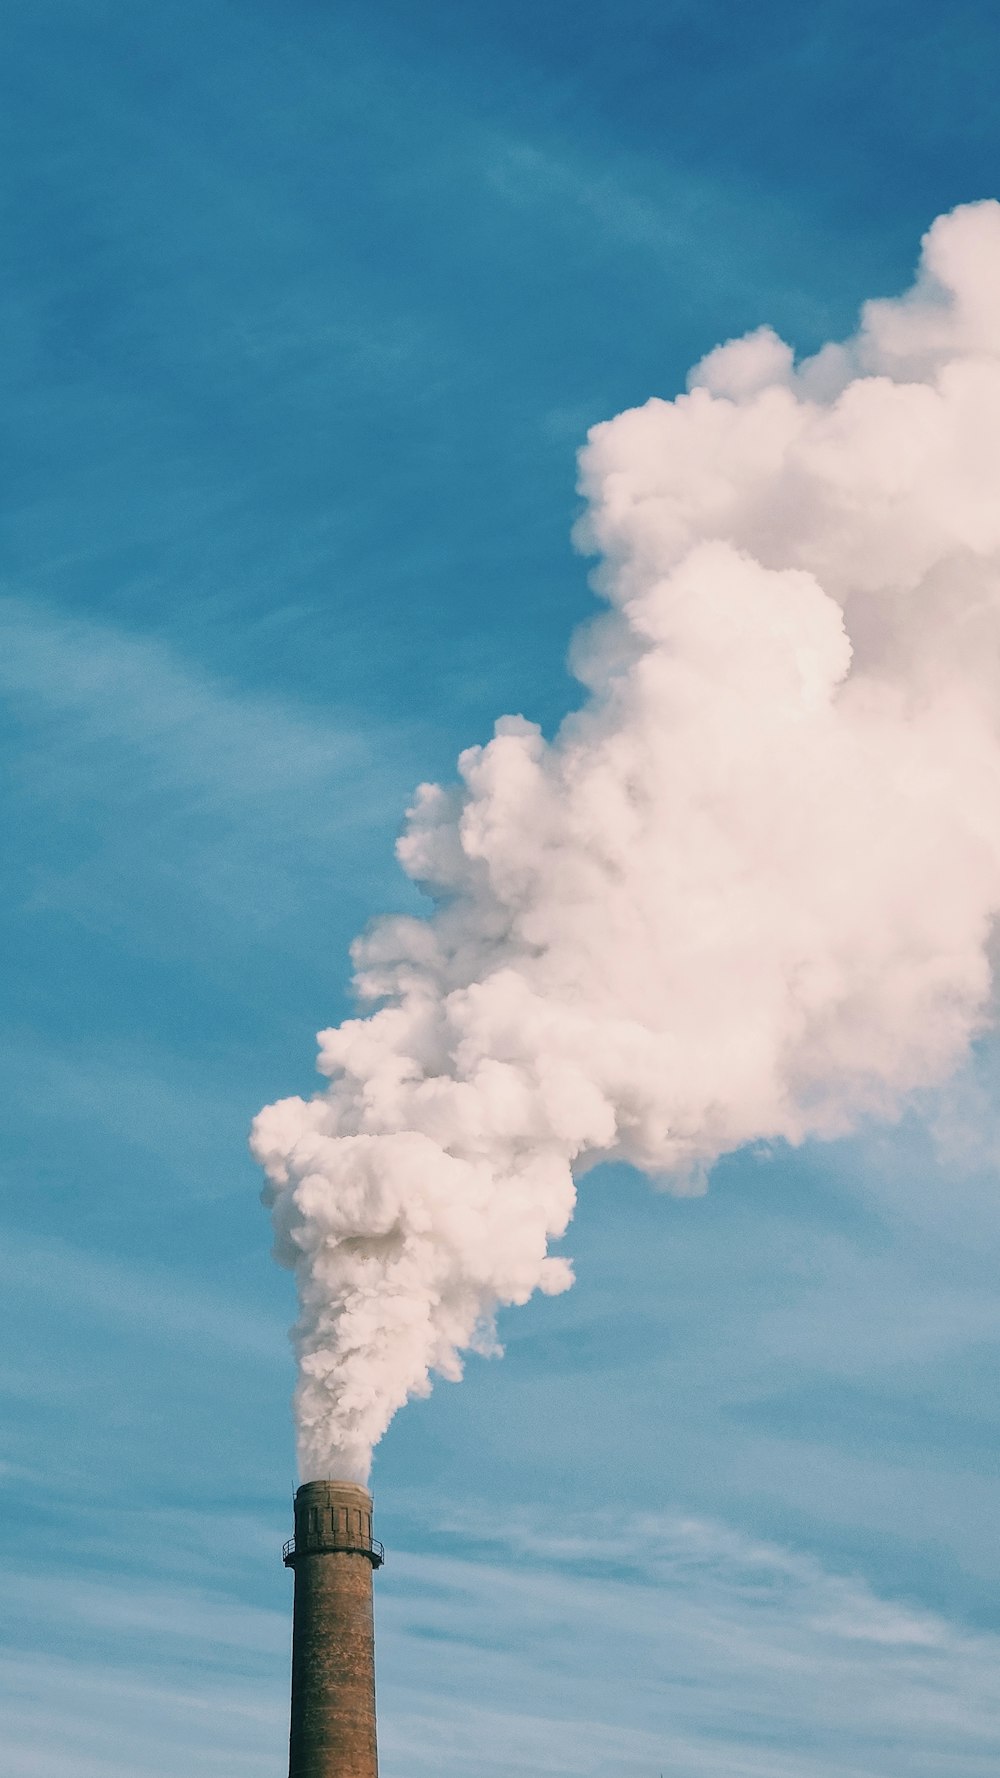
<point>747,890</point>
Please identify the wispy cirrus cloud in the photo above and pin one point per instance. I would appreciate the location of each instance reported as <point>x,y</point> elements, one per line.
<point>136,770</point>
<point>615,1643</point>
<point>740,1658</point>
<point>68,1717</point>
<point>163,1306</point>
<point>120,1345</point>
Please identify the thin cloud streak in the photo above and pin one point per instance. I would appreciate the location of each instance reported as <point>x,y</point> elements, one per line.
<point>532,1649</point>
<point>739,1657</point>
<point>87,684</point>
<point>67,1718</point>
<point>178,800</point>
<point>153,1300</point>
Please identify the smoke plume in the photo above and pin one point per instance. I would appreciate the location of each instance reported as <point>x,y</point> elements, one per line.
<point>746,892</point>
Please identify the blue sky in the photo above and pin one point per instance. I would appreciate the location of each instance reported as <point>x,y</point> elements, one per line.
<point>304,314</point>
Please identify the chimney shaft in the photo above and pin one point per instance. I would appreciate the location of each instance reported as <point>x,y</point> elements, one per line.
<point>333,1642</point>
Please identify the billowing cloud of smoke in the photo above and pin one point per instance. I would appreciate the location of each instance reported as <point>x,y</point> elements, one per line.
<point>746,892</point>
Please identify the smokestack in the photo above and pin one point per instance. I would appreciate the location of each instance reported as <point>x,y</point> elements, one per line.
<point>333,1638</point>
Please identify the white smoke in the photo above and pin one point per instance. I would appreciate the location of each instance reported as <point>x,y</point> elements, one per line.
<point>745,893</point>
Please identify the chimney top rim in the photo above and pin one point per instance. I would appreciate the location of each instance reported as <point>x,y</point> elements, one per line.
<point>333,1487</point>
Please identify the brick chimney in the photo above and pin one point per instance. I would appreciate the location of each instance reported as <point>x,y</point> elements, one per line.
<point>333,1642</point>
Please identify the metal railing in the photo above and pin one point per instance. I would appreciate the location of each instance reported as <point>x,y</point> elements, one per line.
<point>318,1545</point>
